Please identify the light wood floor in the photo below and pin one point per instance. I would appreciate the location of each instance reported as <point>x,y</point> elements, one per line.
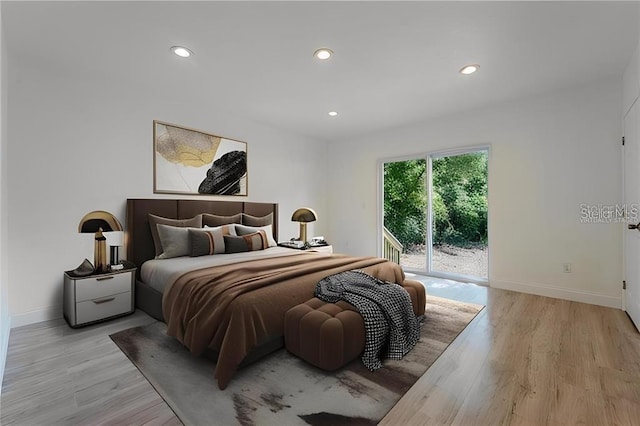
<point>58,375</point>
<point>530,360</point>
<point>523,360</point>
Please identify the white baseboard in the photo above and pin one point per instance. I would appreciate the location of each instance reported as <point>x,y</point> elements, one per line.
<point>38,315</point>
<point>4,345</point>
<point>560,293</point>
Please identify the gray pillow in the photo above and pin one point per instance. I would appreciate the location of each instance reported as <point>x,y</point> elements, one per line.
<point>245,230</point>
<point>154,221</point>
<point>249,220</point>
<point>175,241</point>
<point>215,220</point>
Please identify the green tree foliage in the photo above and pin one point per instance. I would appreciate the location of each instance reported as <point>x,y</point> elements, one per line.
<point>461,183</point>
<point>405,200</point>
<point>459,200</point>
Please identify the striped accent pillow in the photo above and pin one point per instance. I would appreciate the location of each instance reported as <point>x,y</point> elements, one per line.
<point>210,240</point>
<point>245,230</point>
<point>250,242</point>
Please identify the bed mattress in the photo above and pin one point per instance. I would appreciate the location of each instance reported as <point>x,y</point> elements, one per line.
<point>158,273</point>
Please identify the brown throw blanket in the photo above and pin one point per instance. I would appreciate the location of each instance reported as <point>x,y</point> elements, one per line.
<point>234,308</point>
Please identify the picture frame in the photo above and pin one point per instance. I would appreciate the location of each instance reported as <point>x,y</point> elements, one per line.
<point>190,161</point>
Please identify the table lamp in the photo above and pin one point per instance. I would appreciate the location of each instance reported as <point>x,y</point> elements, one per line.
<point>98,222</point>
<point>304,215</point>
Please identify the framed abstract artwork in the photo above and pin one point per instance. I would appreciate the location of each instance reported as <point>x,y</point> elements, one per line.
<point>188,161</point>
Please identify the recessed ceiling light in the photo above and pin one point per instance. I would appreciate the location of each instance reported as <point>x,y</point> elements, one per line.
<point>323,53</point>
<point>183,52</point>
<point>333,113</point>
<point>469,69</point>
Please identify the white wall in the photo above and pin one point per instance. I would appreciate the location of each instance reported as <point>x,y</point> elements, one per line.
<point>631,81</point>
<point>549,154</point>
<point>77,146</point>
<point>5,319</point>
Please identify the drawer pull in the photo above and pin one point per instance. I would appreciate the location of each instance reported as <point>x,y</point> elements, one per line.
<point>104,278</point>
<point>105,300</point>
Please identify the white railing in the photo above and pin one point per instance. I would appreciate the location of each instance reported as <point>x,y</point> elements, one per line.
<point>392,248</point>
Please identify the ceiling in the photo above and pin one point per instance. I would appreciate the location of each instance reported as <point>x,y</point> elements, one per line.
<point>395,62</point>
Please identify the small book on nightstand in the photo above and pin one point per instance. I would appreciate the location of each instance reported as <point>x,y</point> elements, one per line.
<point>318,242</point>
<point>301,245</point>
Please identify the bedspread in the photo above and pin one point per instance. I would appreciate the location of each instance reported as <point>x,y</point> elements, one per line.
<point>234,308</point>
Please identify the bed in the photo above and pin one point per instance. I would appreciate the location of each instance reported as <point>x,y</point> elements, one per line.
<point>229,306</point>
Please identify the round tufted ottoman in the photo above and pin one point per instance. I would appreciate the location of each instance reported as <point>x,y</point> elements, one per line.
<point>418,295</point>
<point>329,335</point>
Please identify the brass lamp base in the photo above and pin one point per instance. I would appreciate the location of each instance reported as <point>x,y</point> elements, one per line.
<point>303,232</point>
<point>100,252</point>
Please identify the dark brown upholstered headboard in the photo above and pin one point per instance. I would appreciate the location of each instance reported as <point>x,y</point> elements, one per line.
<point>139,242</point>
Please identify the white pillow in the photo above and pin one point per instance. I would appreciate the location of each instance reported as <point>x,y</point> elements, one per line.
<point>245,230</point>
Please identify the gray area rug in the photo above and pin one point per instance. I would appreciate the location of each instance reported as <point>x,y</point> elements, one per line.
<point>282,389</point>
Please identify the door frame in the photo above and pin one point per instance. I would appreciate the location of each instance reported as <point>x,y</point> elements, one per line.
<point>624,300</point>
<point>429,237</point>
<point>623,169</point>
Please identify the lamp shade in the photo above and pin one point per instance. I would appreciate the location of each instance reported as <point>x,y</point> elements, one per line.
<point>93,221</point>
<point>304,214</point>
<point>96,222</point>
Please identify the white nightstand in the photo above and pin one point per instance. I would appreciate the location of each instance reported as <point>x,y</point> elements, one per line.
<point>322,249</point>
<point>98,297</point>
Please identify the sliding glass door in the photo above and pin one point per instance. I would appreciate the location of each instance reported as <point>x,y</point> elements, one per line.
<point>405,212</point>
<point>458,212</point>
<point>435,214</point>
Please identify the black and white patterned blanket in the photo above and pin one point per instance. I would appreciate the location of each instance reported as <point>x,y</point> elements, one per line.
<point>389,321</point>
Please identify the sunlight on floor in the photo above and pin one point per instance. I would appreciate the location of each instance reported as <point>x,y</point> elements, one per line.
<point>449,289</point>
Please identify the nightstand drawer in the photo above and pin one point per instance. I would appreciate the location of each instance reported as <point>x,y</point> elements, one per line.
<point>99,287</point>
<point>322,249</point>
<point>103,307</point>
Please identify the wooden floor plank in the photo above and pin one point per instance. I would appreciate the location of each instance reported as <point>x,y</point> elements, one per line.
<point>523,360</point>
<point>59,375</point>
<point>532,360</point>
